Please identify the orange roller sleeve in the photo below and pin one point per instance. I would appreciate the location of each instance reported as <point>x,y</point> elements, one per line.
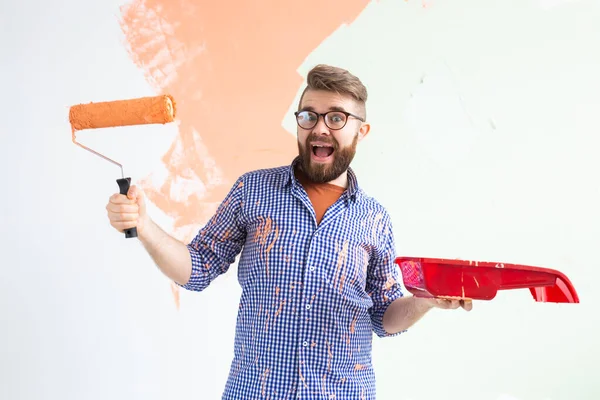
<point>140,111</point>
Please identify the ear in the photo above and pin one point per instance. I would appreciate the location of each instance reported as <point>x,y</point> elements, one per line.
<point>363,131</point>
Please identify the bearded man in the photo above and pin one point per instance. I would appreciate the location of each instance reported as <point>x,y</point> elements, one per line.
<point>316,262</point>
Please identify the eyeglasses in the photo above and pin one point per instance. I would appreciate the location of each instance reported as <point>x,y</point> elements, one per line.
<point>334,120</point>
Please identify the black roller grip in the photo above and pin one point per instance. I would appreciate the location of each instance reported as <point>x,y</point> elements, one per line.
<point>123,189</point>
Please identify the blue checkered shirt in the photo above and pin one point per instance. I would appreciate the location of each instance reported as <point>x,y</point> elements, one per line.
<point>312,295</point>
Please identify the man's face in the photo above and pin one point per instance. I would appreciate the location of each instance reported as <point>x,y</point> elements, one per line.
<point>327,153</point>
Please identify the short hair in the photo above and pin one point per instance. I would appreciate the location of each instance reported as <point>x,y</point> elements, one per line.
<point>337,80</point>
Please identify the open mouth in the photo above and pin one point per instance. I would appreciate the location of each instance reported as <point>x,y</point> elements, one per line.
<point>321,152</point>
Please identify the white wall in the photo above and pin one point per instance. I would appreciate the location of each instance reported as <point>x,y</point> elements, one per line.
<point>85,314</point>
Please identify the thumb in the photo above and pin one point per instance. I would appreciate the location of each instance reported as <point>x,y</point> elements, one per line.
<point>137,194</point>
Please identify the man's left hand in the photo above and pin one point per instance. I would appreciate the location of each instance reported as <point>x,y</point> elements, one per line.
<point>450,304</point>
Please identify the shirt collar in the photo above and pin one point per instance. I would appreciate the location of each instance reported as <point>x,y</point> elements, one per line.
<point>353,191</point>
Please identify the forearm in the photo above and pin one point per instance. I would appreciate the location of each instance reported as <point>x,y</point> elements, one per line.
<point>404,312</point>
<point>171,256</point>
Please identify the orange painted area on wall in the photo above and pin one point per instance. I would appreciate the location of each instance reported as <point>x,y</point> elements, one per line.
<point>232,68</point>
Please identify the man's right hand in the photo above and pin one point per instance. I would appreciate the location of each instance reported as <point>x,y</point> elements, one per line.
<point>169,254</point>
<point>127,211</point>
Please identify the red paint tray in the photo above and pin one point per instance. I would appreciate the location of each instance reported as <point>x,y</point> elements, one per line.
<point>436,277</point>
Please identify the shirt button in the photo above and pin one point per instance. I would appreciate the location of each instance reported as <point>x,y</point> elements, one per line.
<point>308,306</point>
<point>312,268</point>
<point>305,343</point>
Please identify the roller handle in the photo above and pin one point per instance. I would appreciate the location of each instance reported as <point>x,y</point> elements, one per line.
<point>124,188</point>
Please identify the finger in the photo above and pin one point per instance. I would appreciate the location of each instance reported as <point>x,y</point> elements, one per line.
<point>449,302</point>
<point>122,208</point>
<point>123,217</point>
<point>454,304</point>
<point>118,198</point>
<point>467,304</point>
<point>134,192</point>
<point>124,225</point>
<point>444,303</point>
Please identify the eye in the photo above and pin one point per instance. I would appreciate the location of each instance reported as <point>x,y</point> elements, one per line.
<point>307,116</point>
<point>336,117</point>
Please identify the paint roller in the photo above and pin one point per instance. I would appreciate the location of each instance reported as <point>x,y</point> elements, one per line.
<point>138,111</point>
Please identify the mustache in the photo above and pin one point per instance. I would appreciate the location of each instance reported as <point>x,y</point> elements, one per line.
<point>319,138</point>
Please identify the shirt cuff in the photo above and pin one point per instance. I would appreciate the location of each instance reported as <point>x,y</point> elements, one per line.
<point>199,277</point>
<point>377,314</point>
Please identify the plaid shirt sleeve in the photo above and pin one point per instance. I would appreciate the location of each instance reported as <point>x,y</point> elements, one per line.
<point>219,242</point>
<point>383,279</point>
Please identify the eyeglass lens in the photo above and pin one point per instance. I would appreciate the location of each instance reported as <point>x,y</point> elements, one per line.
<point>333,119</point>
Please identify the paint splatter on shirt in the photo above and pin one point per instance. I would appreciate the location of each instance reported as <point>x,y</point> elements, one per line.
<point>313,293</point>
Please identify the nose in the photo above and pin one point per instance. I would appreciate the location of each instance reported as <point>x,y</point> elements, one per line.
<point>321,128</point>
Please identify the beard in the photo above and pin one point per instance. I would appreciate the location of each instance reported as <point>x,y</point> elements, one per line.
<point>323,173</point>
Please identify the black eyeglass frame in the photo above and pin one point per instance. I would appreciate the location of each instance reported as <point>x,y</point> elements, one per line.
<point>319,115</point>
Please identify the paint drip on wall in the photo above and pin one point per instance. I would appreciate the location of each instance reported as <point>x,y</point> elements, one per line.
<point>232,67</point>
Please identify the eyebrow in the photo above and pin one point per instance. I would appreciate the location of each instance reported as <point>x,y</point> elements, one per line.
<point>333,108</point>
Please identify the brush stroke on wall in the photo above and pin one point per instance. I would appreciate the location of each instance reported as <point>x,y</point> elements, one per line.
<point>232,68</point>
